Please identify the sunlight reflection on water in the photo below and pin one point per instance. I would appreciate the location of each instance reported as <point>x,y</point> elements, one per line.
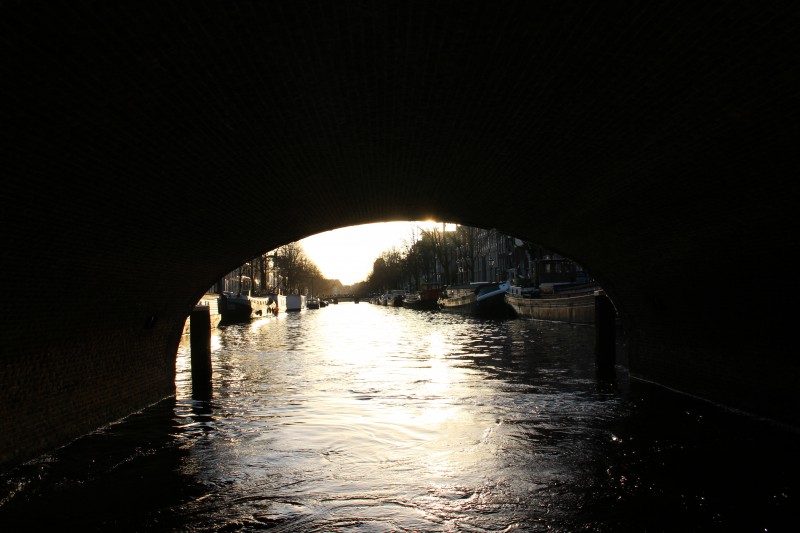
<point>367,418</point>
<point>380,406</point>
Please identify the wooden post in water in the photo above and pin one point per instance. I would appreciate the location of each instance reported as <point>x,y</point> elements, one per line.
<point>200,344</point>
<point>605,332</point>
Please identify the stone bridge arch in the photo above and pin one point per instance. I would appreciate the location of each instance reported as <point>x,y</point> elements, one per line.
<point>149,149</point>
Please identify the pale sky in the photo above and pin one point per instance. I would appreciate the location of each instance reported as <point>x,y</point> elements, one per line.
<point>347,254</point>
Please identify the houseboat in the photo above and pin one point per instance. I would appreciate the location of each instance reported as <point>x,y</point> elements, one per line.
<point>240,306</point>
<point>425,299</point>
<point>557,302</point>
<point>486,299</point>
<point>295,302</point>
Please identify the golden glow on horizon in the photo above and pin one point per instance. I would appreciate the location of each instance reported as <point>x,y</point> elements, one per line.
<point>347,254</point>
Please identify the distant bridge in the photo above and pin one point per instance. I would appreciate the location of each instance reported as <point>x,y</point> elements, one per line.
<point>342,297</point>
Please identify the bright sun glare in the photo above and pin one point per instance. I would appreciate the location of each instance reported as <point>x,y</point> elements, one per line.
<point>347,254</point>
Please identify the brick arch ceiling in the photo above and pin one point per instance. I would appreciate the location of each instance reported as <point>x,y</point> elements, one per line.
<point>148,149</point>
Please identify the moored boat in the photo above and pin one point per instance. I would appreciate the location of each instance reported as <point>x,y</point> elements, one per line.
<point>241,307</point>
<point>486,299</point>
<point>572,303</point>
<point>426,299</point>
<point>395,298</point>
<point>295,302</point>
<point>280,302</point>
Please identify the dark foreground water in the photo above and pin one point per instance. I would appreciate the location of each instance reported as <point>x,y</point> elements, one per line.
<point>356,417</point>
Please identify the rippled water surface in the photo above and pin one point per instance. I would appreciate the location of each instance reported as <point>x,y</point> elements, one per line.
<point>357,417</point>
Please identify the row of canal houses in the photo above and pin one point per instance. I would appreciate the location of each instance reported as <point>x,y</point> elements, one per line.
<point>486,255</point>
<point>501,257</point>
<point>258,277</point>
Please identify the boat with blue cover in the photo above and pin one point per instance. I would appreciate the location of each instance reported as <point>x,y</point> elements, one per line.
<point>486,299</point>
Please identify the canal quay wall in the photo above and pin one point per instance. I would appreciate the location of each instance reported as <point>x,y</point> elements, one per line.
<point>54,393</point>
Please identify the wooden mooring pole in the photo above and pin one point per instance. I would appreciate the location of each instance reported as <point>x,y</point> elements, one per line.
<point>200,344</point>
<point>605,332</point>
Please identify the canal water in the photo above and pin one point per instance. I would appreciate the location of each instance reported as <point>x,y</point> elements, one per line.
<point>356,417</point>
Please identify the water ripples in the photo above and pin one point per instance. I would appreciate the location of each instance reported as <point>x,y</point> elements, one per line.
<point>372,419</point>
